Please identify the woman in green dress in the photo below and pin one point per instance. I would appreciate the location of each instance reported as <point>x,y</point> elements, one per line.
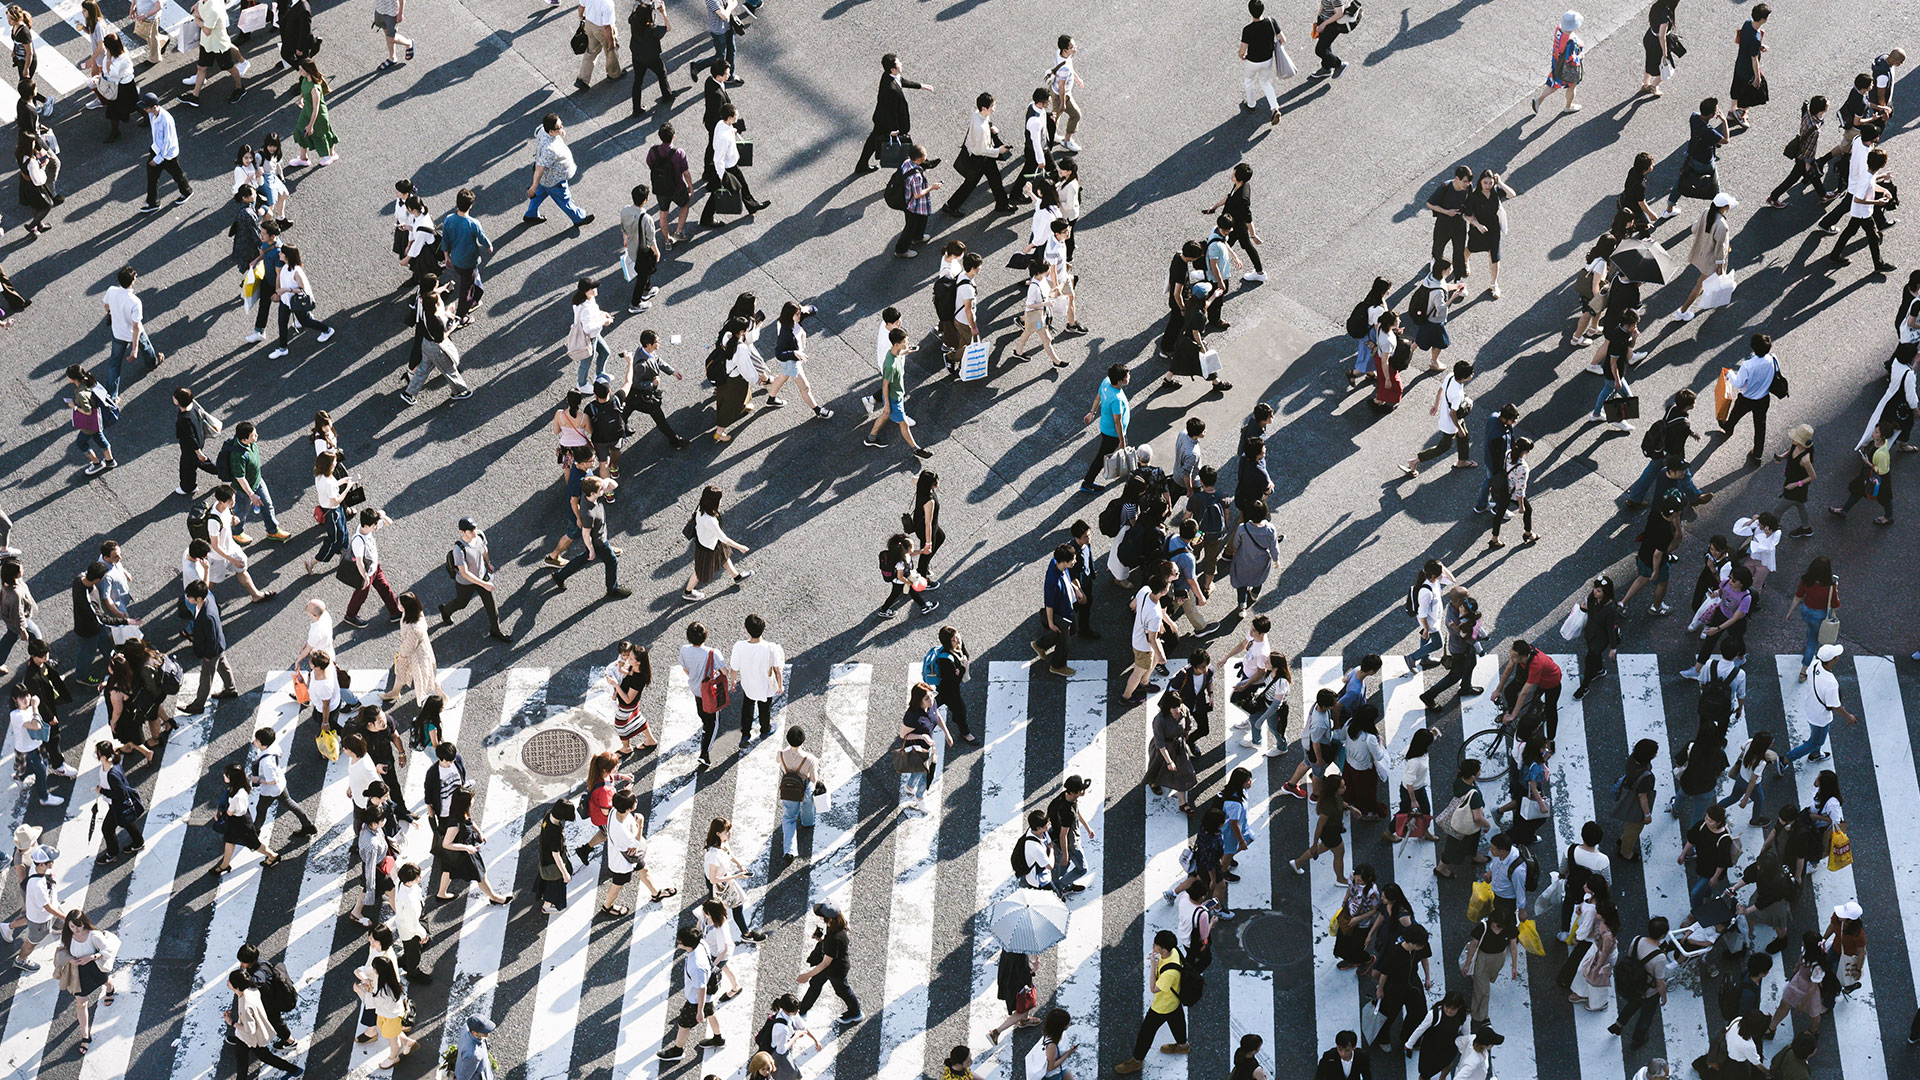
<point>314,133</point>
<point>1460,848</point>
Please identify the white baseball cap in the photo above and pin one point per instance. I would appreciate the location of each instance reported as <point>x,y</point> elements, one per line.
<point>1829,653</point>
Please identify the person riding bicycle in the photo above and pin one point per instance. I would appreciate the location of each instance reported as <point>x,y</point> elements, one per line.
<point>1530,683</point>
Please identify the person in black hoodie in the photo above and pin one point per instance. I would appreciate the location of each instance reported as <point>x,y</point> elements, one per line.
<point>891,114</point>
<point>1346,1061</point>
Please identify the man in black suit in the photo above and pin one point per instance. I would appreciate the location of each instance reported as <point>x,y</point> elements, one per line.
<point>714,91</point>
<point>891,115</point>
<point>209,644</point>
<point>1346,1061</point>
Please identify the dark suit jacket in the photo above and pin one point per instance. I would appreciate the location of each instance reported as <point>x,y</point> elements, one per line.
<point>1329,1067</point>
<point>890,111</point>
<point>209,640</point>
<point>120,794</point>
<point>717,100</point>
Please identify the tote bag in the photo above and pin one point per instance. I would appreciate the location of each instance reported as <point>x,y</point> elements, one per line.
<point>579,342</point>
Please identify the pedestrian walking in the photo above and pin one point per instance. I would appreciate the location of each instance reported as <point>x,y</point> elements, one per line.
<point>217,52</point>
<point>1462,834</point>
<point>590,517</point>
<point>603,38</point>
<point>1874,480</point>
<point>791,352</point>
<point>17,609</point>
<point>1438,1034</point>
<point>253,1031</point>
<point>699,979</point>
<point>164,154</point>
<point>916,202</point>
<point>1037,143</point>
<point>1062,106</point>
<point>1336,17</point>
<point>1868,199</point>
<point>1060,594</point>
<point>553,171</point>
<point>1330,826</point>
<point>1451,406</point>
<point>1428,309</point>
<point>433,323</point>
<point>1492,940</point>
<point>1111,408</point>
<point>672,182</point>
<point>1806,155</point>
<point>1749,82</point>
<point>209,646</point>
<point>124,804</point>
<point>470,566</point>
<point>1640,981</point>
<point>892,116</point>
<point>367,575</point>
<point>466,243</point>
<point>639,244</point>
<point>1707,132</point>
<point>892,402</point>
<point>1566,66</point>
<point>1515,493</point>
<point>313,131</point>
<point>586,340</point>
<point>757,669</point>
<point>236,820</point>
<point>1486,216</point>
<point>729,192</point>
<point>1657,43</point>
<point>294,293</point>
<point>981,152</point>
<point>27,734</point>
<point>713,549</point>
<point>1261,44</point>
<point>647,27</point>
<point>1165,967</point>
<point>1712,246</point>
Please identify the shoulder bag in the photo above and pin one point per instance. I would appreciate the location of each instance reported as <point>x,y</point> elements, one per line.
<point>1829,633</point>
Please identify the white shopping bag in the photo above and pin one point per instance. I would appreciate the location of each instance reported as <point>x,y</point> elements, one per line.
<point>626,265</point>
<point>973,362</point>
<point>1575,623</point>
<point>1717,291</point>
<point>1283,64</point>
<point>1209,363</point>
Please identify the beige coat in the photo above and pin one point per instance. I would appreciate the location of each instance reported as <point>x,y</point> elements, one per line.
<point>1710,247</point>
<point>413,664</point>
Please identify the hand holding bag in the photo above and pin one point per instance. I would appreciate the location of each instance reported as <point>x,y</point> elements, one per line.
<point>1574,624</point>
<point>579,41</point>
<point>1829,633</point>
<point>1717,291</point>
<point>1839,849</point>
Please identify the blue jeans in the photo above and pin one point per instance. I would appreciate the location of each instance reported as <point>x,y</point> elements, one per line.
<point>723,46</point>
<point>117,359</point>
<point>333,541</point>
<point>1812,746</point>
<point>1813,617</point>
<point>1608,388</point>
<point>795,815</point>
<point>1069,866</point>
<point>1702,886</point>
<point>93,650</point>
<point>1692,808</point>
<point>1434,641</point>
<point>914,785</point>
<point>8,639</point>
<point>1653,480</point>
<point>562,197</point>
<point>595,362</point>
<point>1275,721</point>
<point>264,510</point>
<point>34,762</point>
<point>1759,794</point>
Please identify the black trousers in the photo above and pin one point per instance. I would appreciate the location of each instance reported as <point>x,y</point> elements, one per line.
<point>1323,46</point>
<point>739,184</point>
<point>1244,238</point>
<point>262,804</point>
<point>467,289</point>
<point>1803,172</point>
<point>707,722</point>
<point>1459,670</point>
<point>110,831</point>
<point>171,167</point>
<point>209,667</point>
<point>1868,225</point>
<point>911,235</point>
<point>1176,1022</point>
<point>1572,967</point>
<point>1442,442</point>
<point>875,140</point>
<point>1107,445</point>
<point>653,408</point>
<point>607,559</point>
<point>463,594</point>
<point>1170,333</point>
<point>1408,1003</point>
<point>840,987</point>
<point>641,66</point>
<point>1744,405</point>
<point>245,1056</point>
<point>190,465</point>
<point>956,713</point>
<point>1451,230</point>
<point>973,170</point>
<point>643,268</point>
<point>1054,643</point>
<point>410,951</point>
<point>748,707</point>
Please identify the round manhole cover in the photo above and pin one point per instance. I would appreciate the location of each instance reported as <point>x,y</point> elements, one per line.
<point>555,752</point>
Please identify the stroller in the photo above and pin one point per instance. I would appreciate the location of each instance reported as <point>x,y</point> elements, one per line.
<point>1716,934</point>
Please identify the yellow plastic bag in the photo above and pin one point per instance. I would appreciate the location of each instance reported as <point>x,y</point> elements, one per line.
<point>250,283</point>
<point>1530,938</point>
<point>329,743</point>
<point>1333,924</point>
<point>1481,905</point>
<point>1839,849</point>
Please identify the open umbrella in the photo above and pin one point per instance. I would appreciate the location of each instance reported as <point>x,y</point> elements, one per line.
<point>1639,260</point>
<point>1029,921</point>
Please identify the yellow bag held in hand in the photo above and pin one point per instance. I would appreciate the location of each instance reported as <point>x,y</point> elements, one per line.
<point>1839,849</point>
<point>329,743</point>
<point>1481,905</point>
<point>250,284</point>
<point>1530,938</point>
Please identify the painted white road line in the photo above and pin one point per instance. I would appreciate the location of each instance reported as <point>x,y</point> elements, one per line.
<point>1077,987</point>
<point>1510,1002</point>
<point>909,959</point>
<point>1003,773</point>
<point>842,751</point>
<point>1167,831</point>
<point>1336,993</point>
<point>645,1011</point>
<point>1413,860</point>
<point>1856,1024</point>
<point>1250,994</point>
<point>1570,775</point>
<point>1882,710</point>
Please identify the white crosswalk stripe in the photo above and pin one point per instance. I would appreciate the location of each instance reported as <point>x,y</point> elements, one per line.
<point>557,959</point>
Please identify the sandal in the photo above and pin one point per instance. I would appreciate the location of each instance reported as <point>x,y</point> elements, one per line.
<point>85,1043</point>
<point>617,911</point>
<point>364,1038</point>
<point>664,893</point>
<point>730,995</point>
<point>501,899</point>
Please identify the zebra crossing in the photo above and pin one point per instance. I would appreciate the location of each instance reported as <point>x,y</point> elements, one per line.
<point>579,994</point>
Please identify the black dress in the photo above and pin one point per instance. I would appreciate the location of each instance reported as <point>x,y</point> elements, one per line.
<point>1015,975</point>
<point>1660,14</point>
<point>463,865</point>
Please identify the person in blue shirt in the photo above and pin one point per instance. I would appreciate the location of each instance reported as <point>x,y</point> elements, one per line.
<point>1354,693</point>
<point>1056,611</point>
<point>466,242</point>
<point>1113,412</point>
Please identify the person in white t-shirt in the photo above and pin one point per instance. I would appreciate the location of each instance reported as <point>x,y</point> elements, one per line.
<point>627,853</point>
<point>323,688</point>
<point>26,735</point>
<point>755,666</point>
<point>267,772</point>
<point>128,316</point>
<point>696,659</point>
<point>1148,620</point>
<point>697,969</point>
<point>319,637</point>
<point>38,907</point>
<point>1450,408</point>
<point>1821,706</point>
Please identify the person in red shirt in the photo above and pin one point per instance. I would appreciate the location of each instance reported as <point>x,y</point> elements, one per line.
<point>1542,677</point>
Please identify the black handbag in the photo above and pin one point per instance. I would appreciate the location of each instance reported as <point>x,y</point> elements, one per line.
<point>580,39</point>
<point>1676,49</point>
<point>745,146</point>
<point>726,199</point>
<point>893,152</point>
<point>301,302</point>
<point>348,572</point>
<point>353,496</point>
<point>1620,408</point>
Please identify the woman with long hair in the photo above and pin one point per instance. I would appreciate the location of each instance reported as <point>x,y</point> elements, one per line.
<point>1354,922</point>
<point>124,716</point>
<point>724,872</point>
<point>630,676</point>
<point>30,153</point>
<point>413,661</point>
<point>923,522</point>
<point>461,844</point>
<point>917,729</point>
<point>329,497</point>
<point>115,87</point>
<point>1593,980</point>
<point>380,988</point>
<point>792,354</point>
<point>1712,247</point>
<point>294,296</point>
<point>588,333</point>
<point>17,608</point>
<point>314,133</point>
<point>1601,634</point>
<point>1817,595</point>
<point>237,820</point>
<point>90,953</point>
<point>1169,760</point>
<point>713,549</point>
<point>1487,220</point>
<point>273,194</point>
<point>735,373</point>
<point>1330,826</point>
<point>1415,816</point>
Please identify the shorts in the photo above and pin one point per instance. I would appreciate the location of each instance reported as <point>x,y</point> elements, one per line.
<point>91,440</point>
<point>386,24</point>
<point>674,198</point>
<point>897,411</point>
<point>1143,659</point>
<point>792,369</point>
<point>1658,574</point>
<point>391,1027</point>
<point>619,877</point>
<point>219,569</point>
<point>691,1014</point>
<point>210,59</point>
<point>37,931</point>
<point>604,450</point>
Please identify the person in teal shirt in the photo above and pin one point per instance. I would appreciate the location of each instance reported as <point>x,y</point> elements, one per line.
<point>1113,412</point>
<point>893,395</point>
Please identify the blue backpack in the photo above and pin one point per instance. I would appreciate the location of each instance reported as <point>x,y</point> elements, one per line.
<point>930,665</point>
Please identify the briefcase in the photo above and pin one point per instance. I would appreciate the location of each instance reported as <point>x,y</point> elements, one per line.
<point>726,200</point>
<point>1622,408</point>
<point>745,146</point>
<point>893,152</point>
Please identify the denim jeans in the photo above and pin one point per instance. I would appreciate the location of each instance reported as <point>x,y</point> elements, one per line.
<point>723,46</point>
<point>1739,787</point>
<point>1069,865</point>
<point>1434,641</point>
<point>333,541</point>
<point>594,363</point>
<point>1693,807</point>
<point>34,763</point>
<point>264,510</point>
<point>93,650</point>
<point>1608,388</point>
<point>117,359</point>
<point>562,197</point>
<point>1812,746</point>
<point>1812,616</point>
<point>793,815</point>
<point>8,639</point>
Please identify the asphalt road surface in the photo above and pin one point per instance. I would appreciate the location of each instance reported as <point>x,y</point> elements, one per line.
<point>1340,183</point>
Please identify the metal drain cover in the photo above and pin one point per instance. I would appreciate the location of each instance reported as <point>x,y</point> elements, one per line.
<point>555,752</point>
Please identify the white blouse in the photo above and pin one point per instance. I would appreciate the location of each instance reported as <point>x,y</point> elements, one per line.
<point>327,491</point>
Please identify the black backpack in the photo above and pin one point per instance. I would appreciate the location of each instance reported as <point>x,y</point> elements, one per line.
<point>1357,325</point>
<point>1021,867</point>
<point>1192,984</point>
<point>1654,443</point>
<point>897,190</point>
<point>279,994</point>
<point>223,465</point>
<point>1630,978</point>
<point>169,676</point>
<point>199,523</point>
<point>1199,951</point>
<point>946,297</point>
<point>604,422</point>
<point>1112,517</point>
<point>1716,702</point>
<point>1417,306</point>
<point>763,1039</point>
<point>1413,595</point>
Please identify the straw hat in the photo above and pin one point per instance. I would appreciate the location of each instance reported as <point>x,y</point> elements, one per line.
<point>1801,435</point>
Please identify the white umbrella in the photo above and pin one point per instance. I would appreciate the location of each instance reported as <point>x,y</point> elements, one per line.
<point>1029,921</point>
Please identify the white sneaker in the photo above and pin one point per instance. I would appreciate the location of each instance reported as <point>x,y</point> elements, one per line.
<point>255,337</point>
<point>52,800</point>
<point>1072,147</point>
<point>1255,276</point>
<point>276,354</point>
<point>1621,425</point>
<point>325,334</point>
<point>67,772</point>
<point>189,80</point>
<point>1274,751</point>
<point>96,103</point>
<point>1683,315</point>
<point>1596,369</point>
<point>1247,740</point>
<point>1639,354</point>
